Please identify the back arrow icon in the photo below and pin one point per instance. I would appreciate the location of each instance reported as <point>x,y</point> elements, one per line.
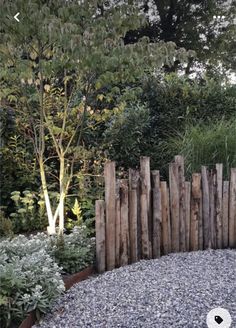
<point>16,17</point>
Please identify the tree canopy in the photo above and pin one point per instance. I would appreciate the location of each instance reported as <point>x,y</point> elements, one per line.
<point>205,26</point>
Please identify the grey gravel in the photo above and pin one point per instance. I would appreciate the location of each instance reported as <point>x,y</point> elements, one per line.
<point>177,290</point>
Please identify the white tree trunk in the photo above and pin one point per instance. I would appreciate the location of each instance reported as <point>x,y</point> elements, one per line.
<point>62,195</point>
<point>51,229</point>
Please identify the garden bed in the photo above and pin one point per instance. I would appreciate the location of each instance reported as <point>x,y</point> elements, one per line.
<point>36,270</point>
<point>69,281</point>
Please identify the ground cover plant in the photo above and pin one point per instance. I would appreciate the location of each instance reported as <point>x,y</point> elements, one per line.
<point>31,271</point>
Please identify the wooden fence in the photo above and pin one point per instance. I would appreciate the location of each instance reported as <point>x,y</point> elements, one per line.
<point>143,217</point>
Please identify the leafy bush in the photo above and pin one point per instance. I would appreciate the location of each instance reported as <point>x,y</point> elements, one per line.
<point>21,245</point>
<point>75,251</point>
<point>6,228</point>
<point>30,213</point>
<point>31,267</point>
<point>27,283</point>
<point>171,104</point>
<point>206,144</point>
<point>174,101</point>
<point>126,137</point>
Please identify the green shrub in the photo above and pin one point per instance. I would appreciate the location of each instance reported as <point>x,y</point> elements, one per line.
<point>126,137</point>
<point>31,267</point>
<point>27,282</point>
<point>75,251</point>
<point>171,104</point>
<point>174,101</point>
<point>206,144</point>
<point>30,212</point>
<point>6,227</point>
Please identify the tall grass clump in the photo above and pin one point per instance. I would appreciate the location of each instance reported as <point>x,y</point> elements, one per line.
<point>206,144</point>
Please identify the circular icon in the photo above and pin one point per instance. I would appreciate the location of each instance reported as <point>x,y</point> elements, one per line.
<point>219,317</point>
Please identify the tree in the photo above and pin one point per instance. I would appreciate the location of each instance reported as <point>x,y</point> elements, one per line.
<point>207,27</point>
<point>54,63</point>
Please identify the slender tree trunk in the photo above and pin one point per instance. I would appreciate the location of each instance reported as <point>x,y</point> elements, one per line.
<point>51,222</point>
<point>62,195</point>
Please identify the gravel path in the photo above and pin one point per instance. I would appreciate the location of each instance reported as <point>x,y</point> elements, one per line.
<point>177,290</point>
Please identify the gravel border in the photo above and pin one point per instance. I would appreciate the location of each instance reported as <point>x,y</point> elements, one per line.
<point>177,290</point>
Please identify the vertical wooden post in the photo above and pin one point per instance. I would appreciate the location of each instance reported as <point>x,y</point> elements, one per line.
<point>200,227</point>
<point>182,210</point>
<point>157,217</point>
<point>226,214</point>
<point>205,209</point>
<point>187,212</point>
<point>212,198</point>
<point>232,209</point>
<point>133,214</point>
<point>219,205</point>
<point>165,224</point>
<point>117,228</point>
<point>110,199</point>
<point>195,211</point>
<point>124,222</point>
<point>145,204</point>
<point>100,236</point>
<point>139,223</point>
<point>174,206</point>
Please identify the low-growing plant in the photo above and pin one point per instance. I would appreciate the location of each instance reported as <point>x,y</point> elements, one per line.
<point>31,268</point>
<point>75,251</point>
<point>28,282</point>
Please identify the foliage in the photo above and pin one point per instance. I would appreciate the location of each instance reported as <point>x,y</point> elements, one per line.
<point>207,27</point>
<point>29,275</point>
<point>30,213</point>
<point>27,282</point>
<point>206,144</point>
<point>77,217</point>
<point>18,167</point>
<point>6,228</point>
<point>51,74</point>
<point>75,251</point>
<point>172,103</point>
<point>126,137</point>
<point>175,101</point>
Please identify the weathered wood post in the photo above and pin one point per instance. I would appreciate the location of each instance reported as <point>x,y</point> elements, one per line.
<point>187,213</point>
<point>195,211</point>
<point>219,205</point>
<point>133,213</point>
<point>182,210</point>
<point>118,224</point>
<point>124,222</point>
<point>165,224</point>
<point>232,209</point>
<point>100,236</point>
<point>174,206</point>
<point>157,216</point>
<point>110,199</point>
<point>145,205</point>
<point>205,208</point>
<point>226,214</point>
<point>212,198</point>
